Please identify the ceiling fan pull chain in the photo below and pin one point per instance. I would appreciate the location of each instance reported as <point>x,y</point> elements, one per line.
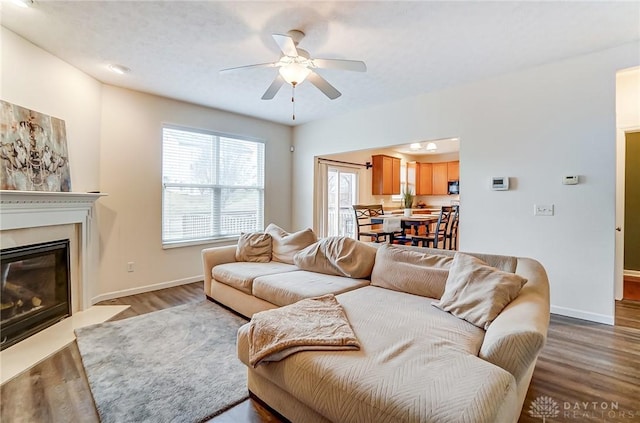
<point>293,100</point>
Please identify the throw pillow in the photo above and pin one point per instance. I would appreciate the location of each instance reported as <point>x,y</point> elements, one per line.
<point>410,271</point>
<point>477,292</point>
<point>254,246</point>
<point>286,245</point>
<point>336,255</point>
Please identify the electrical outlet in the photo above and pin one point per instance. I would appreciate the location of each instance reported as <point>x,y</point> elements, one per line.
<point>543,209</point>
<point>130,266</point>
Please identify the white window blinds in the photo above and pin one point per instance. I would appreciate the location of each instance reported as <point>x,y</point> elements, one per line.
<point>213,185</point>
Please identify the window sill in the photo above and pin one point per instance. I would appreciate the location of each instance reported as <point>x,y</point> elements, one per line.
<point>211,241</point>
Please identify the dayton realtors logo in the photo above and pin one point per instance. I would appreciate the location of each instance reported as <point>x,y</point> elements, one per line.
<point>545,407</point>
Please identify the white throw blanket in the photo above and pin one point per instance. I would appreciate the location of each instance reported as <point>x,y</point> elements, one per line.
<point>313,324</point>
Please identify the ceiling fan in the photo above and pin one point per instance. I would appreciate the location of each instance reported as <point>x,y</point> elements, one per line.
<point>296,66</point>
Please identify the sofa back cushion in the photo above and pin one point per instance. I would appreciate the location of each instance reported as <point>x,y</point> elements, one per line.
<point>341,256</point>
<point>477,292</point>
<point>411,271</point>
<point>285,245</point>
<point>254,247</point>
<point>505,263</point>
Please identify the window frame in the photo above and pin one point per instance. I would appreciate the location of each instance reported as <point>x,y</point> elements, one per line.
<point>218,134</point>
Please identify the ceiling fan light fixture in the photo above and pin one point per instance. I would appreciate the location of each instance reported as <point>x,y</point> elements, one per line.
<point>432,146</point>
<point>294,73</point>
<point>415,146</point>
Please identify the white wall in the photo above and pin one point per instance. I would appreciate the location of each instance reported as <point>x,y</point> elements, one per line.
<point>32,78</point>
<point>534,126</point>
<point>627,119</point>
<point>114,142</point>
<point>131,170</point>
<point>39,81</point>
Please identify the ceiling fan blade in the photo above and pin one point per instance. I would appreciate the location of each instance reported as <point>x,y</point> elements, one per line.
<point>273,88</point>
<point>286,44</point>
<point>260,65</point>
<point>350,65</point>
<point>322,84</point>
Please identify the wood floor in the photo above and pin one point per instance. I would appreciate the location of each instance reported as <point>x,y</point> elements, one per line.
<point>584,366</point>
<point>631,288</point>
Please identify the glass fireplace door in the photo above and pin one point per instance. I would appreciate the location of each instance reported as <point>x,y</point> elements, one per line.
<point>35,289</point>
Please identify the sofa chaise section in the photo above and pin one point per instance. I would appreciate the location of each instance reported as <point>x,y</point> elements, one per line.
<point>417,363</point>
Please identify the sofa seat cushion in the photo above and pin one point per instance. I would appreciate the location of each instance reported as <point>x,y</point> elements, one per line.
<point>287,288</point>
<point>416,364</point>
<point>240,275</point>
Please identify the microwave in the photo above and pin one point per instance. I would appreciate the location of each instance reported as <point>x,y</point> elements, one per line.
<point>454,188</point>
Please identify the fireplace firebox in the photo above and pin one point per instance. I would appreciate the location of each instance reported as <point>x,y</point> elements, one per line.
<point>35,291</point>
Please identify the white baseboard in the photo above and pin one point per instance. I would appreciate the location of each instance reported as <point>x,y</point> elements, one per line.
<point>584,315</point>
<point>147,288</point>
<point>634,273</point>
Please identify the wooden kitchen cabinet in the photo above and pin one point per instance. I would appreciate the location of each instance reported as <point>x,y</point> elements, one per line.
<point>424,179</point>
<point>386,175</point>
<point>440,178</point>
<point>419,177</point>
<point>453,171</point>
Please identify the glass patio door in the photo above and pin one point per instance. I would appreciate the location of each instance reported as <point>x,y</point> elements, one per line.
<point>342,193</point>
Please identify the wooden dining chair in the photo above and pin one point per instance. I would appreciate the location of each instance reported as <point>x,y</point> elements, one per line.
<point>451,236</point>
<point>364,227</point>
<point>438,234</point>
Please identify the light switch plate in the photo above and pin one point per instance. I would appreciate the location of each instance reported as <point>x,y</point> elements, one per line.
<point>543,209</point>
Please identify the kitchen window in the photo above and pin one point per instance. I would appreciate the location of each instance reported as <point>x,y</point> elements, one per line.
<point>404,184</point>
<point>212,186</point>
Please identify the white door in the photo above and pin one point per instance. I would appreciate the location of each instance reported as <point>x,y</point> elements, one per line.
<point>341,194</point>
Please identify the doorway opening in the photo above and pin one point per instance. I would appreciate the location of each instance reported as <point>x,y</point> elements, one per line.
<point>426,169</point>
<point>631,269</point>
<point>627,243</point>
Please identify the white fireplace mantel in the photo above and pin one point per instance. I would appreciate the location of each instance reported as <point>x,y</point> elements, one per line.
<point>31,209</point>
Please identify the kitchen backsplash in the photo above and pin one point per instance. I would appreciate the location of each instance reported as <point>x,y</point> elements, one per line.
<point>429,200</point>
<point>437,200</point>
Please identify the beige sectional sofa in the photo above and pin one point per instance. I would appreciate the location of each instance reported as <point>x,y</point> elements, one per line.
<point>417,363</point>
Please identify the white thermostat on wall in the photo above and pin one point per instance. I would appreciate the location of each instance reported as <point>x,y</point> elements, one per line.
<point>499,183</point>
<point>570,180</point>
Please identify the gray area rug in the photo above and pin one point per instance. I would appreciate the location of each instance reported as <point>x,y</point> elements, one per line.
<point>173,365</point>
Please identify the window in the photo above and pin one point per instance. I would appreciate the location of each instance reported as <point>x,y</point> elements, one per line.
<point>212,185</point>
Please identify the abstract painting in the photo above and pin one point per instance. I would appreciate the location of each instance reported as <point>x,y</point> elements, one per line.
<point>33,151</point>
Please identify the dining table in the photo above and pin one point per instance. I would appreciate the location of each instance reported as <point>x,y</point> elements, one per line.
<point>410,225</point>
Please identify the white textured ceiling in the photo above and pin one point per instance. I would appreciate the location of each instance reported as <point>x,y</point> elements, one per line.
<point>176,48</point>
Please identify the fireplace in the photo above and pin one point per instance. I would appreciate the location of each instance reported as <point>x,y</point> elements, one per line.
<point>35,218</point>
<point>36,290</point>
